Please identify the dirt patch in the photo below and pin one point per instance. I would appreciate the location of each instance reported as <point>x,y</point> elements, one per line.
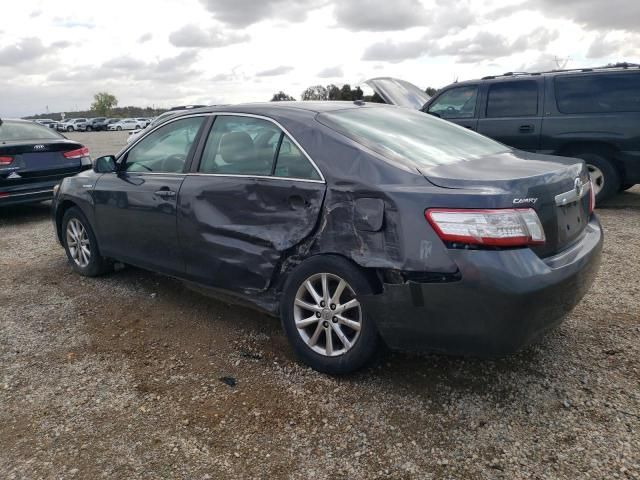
<point>120,377</point>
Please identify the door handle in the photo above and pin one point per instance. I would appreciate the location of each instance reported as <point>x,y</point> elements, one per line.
<point>165,193</point>
<point>526,129</point>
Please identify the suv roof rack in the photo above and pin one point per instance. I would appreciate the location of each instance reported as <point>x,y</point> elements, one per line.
<point>620,65</point>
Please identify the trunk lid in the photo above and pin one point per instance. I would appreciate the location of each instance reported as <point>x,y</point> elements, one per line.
<point>398,92</point>
<point>547,184</point>
<point>34,161</point>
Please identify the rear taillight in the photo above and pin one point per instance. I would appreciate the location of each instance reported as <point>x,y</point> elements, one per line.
<point>499,227</point>
<point>592,198</point>
<point>79,153</point>
<point>5,160</point>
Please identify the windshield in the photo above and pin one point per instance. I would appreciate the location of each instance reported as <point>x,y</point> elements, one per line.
<point>15,131</point>
<point>402,134</point>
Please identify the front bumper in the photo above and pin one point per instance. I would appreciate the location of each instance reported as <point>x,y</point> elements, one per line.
<point>504,300</point>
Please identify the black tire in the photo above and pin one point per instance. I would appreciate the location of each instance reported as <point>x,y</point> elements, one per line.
<point>89,128</point>
<point>69,129</point>
<point>97,265</point>
<point>368,341</point>
<point>119,128</point>
<point>627,186</point>
<point>611,178</point>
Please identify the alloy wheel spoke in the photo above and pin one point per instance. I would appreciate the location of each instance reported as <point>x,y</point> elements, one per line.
<point>313,292</point>
<point>307,321</point>
<point>353,325</point>
<point>340,334</point>
<point>335,298</point>
<point>325,288</point>
<point>314,338</point>
<point>329,342</point>
<point>307,306</point>
<point>353,303</point>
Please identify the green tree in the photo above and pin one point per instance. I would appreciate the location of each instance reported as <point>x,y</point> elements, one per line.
<point>281,97</point>
<point>345,92</point>
<point>357,94</point>
<point>103,103</point>
<point>317,92</point>
<point>334,92</point>
<point>431,91</point>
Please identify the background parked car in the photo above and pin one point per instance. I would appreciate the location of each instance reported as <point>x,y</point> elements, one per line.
<point>71,125</point>
<point>144,122</point>
<point>590,113</point>
<point>92,124</point>
<point>125,124</point>
<point>47,122</point>
<point>34,158</point>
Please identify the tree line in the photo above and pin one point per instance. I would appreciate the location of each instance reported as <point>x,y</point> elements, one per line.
<point>333,92</point>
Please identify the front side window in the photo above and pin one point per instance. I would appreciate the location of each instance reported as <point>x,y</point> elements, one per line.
<point>405,135</point>
<point>458,102</point>
<point>600,93</point>
<point>166,149</point>
<point>513,99</point>
<point>238,145</point>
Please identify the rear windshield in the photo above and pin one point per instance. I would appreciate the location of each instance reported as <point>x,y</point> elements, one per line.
<point>403,134</point>
<point>600,93</point>
<point>13,131</point>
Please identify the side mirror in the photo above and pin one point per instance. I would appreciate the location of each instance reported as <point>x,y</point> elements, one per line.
<point>106,164</point>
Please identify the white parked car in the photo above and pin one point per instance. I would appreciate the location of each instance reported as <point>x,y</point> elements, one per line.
<point>126,124</point>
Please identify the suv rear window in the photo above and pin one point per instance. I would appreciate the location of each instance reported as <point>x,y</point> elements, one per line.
<point>513,99</point>
<point>599,93</point>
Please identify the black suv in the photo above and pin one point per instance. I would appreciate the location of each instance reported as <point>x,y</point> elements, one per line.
<point>589,113</point>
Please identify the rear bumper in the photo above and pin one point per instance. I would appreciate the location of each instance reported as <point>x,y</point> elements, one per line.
<point>504,300</point>
<point>31,193</point>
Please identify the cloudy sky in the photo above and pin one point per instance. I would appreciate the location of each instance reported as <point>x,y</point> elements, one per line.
<point>167,52</point>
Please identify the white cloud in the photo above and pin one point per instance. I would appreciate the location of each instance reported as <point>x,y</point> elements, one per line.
<point>224,51</point>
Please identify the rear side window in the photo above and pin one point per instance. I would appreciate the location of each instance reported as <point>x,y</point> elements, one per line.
<point>239,145</point>
<point>599,93</point>
<point>458,102</point>
<point>16,131</point>
<point>513,99</point>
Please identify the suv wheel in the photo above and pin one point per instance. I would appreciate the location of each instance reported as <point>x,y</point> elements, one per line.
<point>89,128</point>
<point>69,128</point>
<point>119,128</point>
<point>325,322</point>
<point>81,246</point>
<point>604,175</point>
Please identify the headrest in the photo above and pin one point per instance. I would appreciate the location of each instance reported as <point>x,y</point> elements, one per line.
<point>236,147</point>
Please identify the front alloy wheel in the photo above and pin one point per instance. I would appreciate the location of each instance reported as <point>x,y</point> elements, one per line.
<point>327,314</point>
<point>78,243</point>
<point>81,246</point>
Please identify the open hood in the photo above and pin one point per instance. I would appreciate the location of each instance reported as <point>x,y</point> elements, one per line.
<point>398,92</point>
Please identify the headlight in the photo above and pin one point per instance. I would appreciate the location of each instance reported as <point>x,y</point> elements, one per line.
<point>55,189</point>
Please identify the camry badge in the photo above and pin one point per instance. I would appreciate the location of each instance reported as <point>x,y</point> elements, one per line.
<point>518,201</point>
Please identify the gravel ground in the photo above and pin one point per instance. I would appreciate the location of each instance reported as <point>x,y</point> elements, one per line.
<point>119,377</point>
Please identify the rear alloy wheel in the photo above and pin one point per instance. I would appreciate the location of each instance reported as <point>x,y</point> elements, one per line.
<point>604,175</point>
<point>119,128</point>
<point>69,129</point>
<point>81,246</point>
<point>89,128</point>
<point>323,317</point>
